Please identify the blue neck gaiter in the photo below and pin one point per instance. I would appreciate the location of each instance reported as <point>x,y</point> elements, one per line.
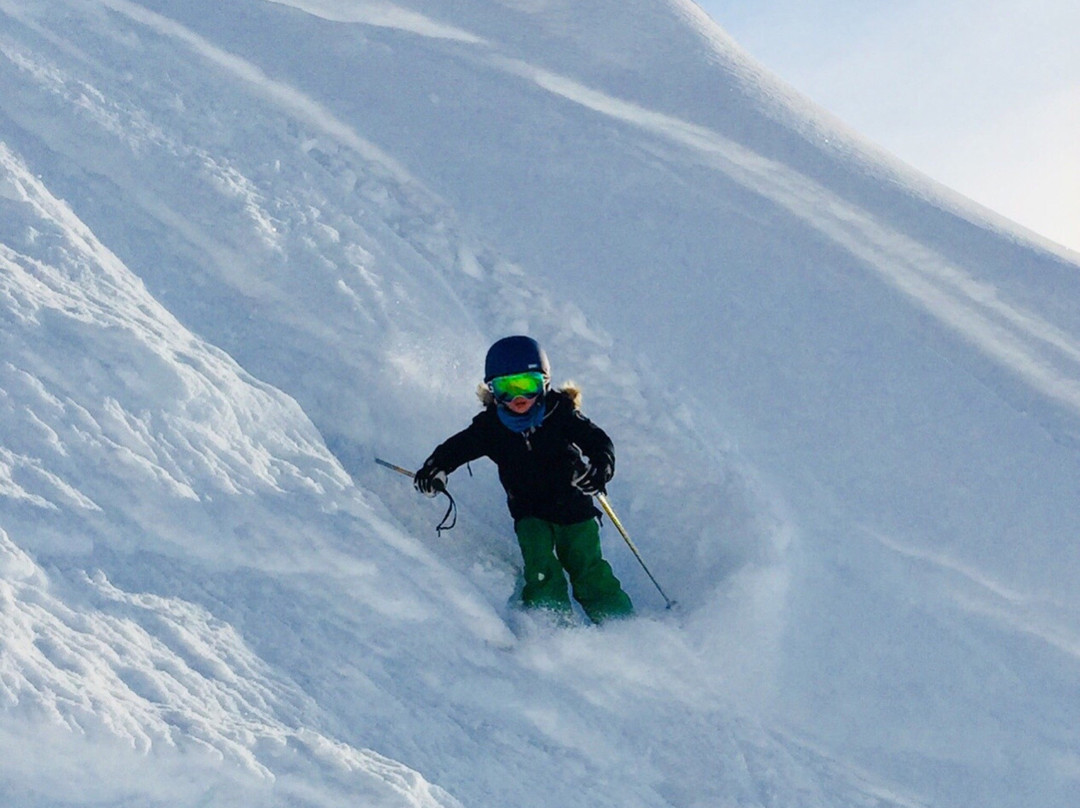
<point>523,423</point>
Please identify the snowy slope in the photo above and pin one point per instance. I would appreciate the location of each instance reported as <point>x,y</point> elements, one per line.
<point>249,246</point>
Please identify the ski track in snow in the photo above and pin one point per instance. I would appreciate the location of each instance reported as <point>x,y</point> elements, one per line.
<point>382,14</point>
<point>280,94</point>
<point>1044,356</point>
<point>1034,350</point>
<point>1042,618</point>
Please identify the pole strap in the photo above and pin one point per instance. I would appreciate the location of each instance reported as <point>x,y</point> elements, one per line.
<point>450,515</point>
<point>449,519</point>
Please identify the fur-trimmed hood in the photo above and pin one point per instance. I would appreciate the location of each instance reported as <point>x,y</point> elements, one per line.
<point>569,389</point>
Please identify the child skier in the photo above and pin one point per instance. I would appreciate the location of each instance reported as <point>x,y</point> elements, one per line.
<point>551,460</point>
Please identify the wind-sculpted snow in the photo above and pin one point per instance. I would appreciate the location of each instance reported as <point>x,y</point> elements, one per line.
<point>125,433</point>
<point>150,692</point>
<point>247,247</point>
<point>96,371</point>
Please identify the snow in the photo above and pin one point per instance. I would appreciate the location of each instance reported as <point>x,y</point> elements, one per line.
<point>246,248</point>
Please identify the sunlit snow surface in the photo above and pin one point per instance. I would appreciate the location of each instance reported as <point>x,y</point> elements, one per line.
<point>247,247</point>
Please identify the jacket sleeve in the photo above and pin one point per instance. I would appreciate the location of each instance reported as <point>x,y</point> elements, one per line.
<point>592,440</point>
<point>457,450</point>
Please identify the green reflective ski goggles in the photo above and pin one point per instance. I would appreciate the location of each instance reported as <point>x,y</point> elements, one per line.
<point>507,388</point>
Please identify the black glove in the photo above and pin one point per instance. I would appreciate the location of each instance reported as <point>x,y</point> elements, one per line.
<point>593,478</point>
<point>430,479</point>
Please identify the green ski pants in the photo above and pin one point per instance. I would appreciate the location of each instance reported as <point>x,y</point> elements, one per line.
<point>548,548</point>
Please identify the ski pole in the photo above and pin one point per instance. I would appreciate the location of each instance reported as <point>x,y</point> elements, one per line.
<point>393,467</point>
<point>603,500</point>
<point>582,467</point>
<point>451,511</point>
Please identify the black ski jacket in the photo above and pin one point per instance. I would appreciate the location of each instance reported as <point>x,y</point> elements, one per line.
<point>535,468</point>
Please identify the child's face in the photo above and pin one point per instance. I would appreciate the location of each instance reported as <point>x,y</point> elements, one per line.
<point>520,405</point>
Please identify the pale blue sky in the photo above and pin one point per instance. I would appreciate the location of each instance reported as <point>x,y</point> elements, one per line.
<point>982,95</point>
